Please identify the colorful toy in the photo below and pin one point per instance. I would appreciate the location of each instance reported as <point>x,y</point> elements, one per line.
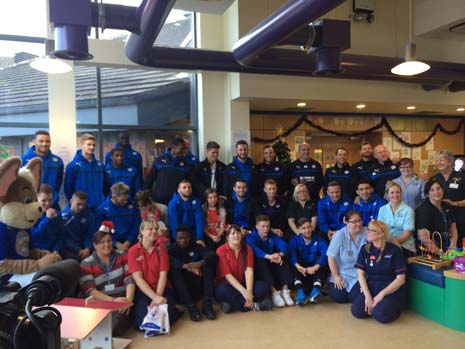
<point>429,256</point>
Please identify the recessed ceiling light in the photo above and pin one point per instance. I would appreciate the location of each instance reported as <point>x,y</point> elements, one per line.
<point>461,109</point>
<point>361,106</point>
<point>302,104</point>
<point>411,107</point>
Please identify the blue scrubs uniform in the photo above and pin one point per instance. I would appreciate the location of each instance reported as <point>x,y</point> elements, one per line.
<point>379,275</point>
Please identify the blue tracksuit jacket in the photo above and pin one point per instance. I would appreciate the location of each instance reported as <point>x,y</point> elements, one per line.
<point>188,213</point>
<point>52,171</point>
<point>79,229</point>
<point>86,176</point>
<point>330,214</point>
<point>370,208</point>
<point>47,234</point>
<point>131,158</point>
<point>272,244</point>
<point>127,175</point>
<point>309,254</point>
<point>126,220</point>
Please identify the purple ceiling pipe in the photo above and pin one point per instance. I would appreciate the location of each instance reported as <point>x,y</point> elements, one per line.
<point>282,23</point>
<point>152,18</point>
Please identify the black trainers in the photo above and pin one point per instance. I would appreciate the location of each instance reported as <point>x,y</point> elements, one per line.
<point>193,312</point>
<point>225,307</point>
<point>266,304</point>
<point>207,310</point>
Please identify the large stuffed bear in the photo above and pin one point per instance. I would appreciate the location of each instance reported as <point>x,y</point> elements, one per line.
<point>19,211</point>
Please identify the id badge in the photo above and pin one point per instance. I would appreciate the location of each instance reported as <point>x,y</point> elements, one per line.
<point>109,287</point>
<point>454,185</point>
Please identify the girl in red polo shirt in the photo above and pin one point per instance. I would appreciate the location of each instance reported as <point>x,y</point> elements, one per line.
<point>149,264</point>
<point>215,220</point>
<point>236,289</point>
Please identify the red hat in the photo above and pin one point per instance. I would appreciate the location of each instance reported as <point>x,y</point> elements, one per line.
<point>107,227</point>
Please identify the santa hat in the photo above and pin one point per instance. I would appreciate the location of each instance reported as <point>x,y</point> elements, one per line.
<point>107,227</point>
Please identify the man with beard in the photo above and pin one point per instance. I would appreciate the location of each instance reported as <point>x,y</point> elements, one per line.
<point>271,169</point>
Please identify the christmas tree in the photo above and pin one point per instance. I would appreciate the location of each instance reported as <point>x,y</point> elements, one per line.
<point>283,152</point>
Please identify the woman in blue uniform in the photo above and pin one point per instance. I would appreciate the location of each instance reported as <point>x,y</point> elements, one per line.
<point>381,275</point>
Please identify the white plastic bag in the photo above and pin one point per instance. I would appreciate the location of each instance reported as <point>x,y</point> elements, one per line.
<point>156,321</point>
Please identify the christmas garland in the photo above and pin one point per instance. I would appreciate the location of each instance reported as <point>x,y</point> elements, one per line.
<point>382,123</point>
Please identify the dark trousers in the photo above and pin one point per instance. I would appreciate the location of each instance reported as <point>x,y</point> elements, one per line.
<point>212,246</point>
<point>343,296</point>
<point>141,302</point>
<point>307,281</point>
<point>190,287</point>
<point>273,274</point>
<point>226,293</point>
<point>385,311</point>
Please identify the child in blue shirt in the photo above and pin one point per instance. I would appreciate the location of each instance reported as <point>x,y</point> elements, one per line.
<point>308,257</point>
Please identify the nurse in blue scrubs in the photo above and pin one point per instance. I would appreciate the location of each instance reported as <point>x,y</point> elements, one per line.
<point>381,275</point>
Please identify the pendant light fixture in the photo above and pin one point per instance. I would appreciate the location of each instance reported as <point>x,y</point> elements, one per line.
<point>411,66</point>
<point>50,65</point>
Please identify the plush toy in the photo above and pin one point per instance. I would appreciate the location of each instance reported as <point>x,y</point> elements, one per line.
<point>19,211</point>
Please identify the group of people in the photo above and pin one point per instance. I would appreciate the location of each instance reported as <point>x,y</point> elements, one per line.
<point>244,234</point>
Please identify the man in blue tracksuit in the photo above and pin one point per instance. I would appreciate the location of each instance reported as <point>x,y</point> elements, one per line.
<point>116,172</point>
<point>241,167</point>
<point>167,171</point>
<point>309,261</point>
<point>85,173</point>
<point>190,158</point>
<point>331,210</point>
<point>369,202</point>
<point>241,209</point>
<point>124,215</point>
<point>52,169</point>
<point>186,210</point>
<point>131,157</point>
<point>47,233</point>
<point>79,228</point>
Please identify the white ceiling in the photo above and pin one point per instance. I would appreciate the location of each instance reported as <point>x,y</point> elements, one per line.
<point>204,6</point>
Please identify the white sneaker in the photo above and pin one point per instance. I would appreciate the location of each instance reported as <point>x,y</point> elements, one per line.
<point>278,301</point>
<point>286,294</point>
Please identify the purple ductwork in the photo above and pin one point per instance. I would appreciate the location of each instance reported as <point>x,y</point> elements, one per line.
<point>281,24</point>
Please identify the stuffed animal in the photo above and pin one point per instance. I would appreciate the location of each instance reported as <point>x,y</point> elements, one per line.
<point>19,211</point>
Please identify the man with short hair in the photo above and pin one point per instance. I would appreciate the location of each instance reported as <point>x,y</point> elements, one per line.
<point>167,171</point>
<point>340,172</point>
<point>242,167</point>
<point>189,157</point>
<point>192,273</point>
<point>332,208</point>
<point>186,210</point>
<point>273,206</point>
<point>369,202</point>
<point>271,261</point>
<point>131,157</point>
<point>85,173</point>
<point>271,169</point>
<point>210,172</point>
<point>79,228</point>
<point>360,170</point>
<point>307,171</point>
<point>383,170</point>
<point>124,215</point>
<point>52,169</point>
<point>241,209</point>
<point>47,232</point>
<point>116,171</point>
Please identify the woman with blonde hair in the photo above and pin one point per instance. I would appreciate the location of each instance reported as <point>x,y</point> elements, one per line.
<point>381,275</point>
<point>302,206</point>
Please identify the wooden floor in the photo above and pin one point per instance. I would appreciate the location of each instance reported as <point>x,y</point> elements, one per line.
<point>324,326</point>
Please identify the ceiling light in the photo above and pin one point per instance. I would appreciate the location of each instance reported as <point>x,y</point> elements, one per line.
<point>302,104</point>
<point>411,66</point>
<point>411,107</point>
<point>460,109</point>
<point>182,75</point>
<point>361,106</point>
<point>50,65</point>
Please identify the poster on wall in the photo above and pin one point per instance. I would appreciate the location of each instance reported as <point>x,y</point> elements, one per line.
<point>405,152</point>
<point>237,136</point>
<point>298,140</point>
<point>431,157</point>
<point>430,144</point>
<point>424,166</point>
<point>318,155</point>
<point>396,145</point>
<point>395,156</point>
<point>388,143</point>
<point>406,136</point>
<point>416,153</point>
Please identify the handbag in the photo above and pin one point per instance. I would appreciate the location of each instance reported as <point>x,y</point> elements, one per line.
<point>156,321</point>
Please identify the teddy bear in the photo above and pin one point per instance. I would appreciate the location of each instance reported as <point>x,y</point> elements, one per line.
<point>19,211</point>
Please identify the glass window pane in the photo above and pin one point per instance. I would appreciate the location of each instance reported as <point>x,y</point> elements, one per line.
<point>23,17</point>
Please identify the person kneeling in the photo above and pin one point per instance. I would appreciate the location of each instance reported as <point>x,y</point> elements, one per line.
<point>381,275</point>
<point>236,288</point>
<point>270,261</point>
<point>308,256</point>
<point>192,273</point>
